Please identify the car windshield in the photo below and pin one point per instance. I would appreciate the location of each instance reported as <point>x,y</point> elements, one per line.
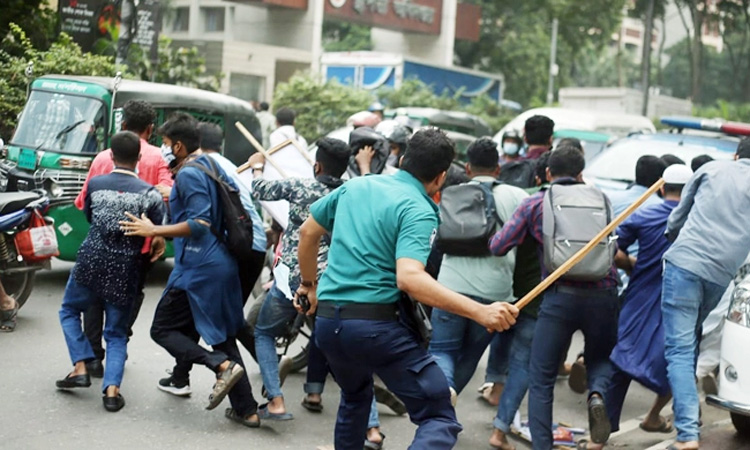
<point>618,161</point>
<point>61,123</point>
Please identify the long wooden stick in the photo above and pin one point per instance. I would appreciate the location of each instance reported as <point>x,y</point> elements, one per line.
<point>303,151</point>
<point>270,152</point>
<point>260,149</point>
<point>575,259</point>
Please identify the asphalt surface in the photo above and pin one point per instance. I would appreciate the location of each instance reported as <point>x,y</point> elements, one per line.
<point>34,415</point>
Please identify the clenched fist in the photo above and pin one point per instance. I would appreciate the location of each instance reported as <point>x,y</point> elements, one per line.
<point>498,316</point>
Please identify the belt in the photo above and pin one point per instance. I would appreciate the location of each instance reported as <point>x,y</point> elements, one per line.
<point>362,311</point>
<point>584,292</point>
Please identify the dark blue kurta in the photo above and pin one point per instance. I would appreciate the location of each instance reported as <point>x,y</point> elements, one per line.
<point>640,336</point>
<point>203,266</point>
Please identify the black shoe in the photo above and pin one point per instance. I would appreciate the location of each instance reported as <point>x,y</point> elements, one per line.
<point>599,425</point>
<point>174,387</point>
<point>113,404</point>
<point>78,381</point>
<point>387,398</point>
<point>95,368</point>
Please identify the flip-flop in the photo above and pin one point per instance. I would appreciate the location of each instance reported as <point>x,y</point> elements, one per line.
<point>665,426</point>
<point>8,318</point>
<point>312,406</point>
<point>232,415</point>
<point>369,445</point>
<point>265,414</point>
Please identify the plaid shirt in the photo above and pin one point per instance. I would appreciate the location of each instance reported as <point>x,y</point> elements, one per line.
<point>527,220</point>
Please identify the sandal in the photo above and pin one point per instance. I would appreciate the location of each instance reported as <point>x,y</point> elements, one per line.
<point>369,445</point>
<point>8,318</point>
<point>232,415</point>
<point>224,383</point>
<point>583,444</point>
<point>665,426</point>
<point>315,407</point>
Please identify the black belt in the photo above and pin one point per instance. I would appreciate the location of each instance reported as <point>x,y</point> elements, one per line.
<point>584,292</point>
<point>362,311</point>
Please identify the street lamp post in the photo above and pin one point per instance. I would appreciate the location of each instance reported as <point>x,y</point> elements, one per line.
<point>553,69</point>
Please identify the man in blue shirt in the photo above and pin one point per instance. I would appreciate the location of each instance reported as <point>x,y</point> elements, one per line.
<point>648,170</point>
<point>711,241</point>
<point>382,229</point>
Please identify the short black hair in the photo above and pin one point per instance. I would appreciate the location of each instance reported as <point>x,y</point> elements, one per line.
<point>648,170</point>
<point>285,116</point>
<point>698,161</point>
<point>572,142</point>
<point>483,154</point>
<point>212,136</point>
<point>334,155</point>
<point>670,159</point>
<point>566,161</point>
<point>429,152</point>
<point>674,189</point>
<point>182,127</point>
<point>138,115</point>
<point>264,106</point>
<point>540,166</point>
<point>126,146</point>
<point>743,149</point>
<point>538,130</point>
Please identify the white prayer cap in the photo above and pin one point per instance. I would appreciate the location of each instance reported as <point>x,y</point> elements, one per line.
<point>677,174</point>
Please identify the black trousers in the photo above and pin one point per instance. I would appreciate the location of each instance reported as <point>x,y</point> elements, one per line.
<point>174,329</point>
<point>93,318</point>
<point>249,272</point>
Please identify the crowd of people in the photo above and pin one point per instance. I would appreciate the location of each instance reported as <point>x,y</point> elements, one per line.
<point>364,256</point>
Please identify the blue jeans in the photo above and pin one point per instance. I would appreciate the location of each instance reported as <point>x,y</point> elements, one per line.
<point>273,321</point>
<point>521,337</point>
<point>686,300</point>
<point>458,344</point>
<point>76,301</point>
<point>498,360</point>
<point>594,312</point>
<point>355,349</point>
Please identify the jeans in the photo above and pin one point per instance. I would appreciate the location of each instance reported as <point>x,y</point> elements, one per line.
<point>458,344</point>
<point>521,336</point>
<point>174,329</point>
<point>76,300</point>
<point>273,321</point>
<point>562,313</point>
<point>498,360</point>
<point>686,300</point>
<point>355,349</point>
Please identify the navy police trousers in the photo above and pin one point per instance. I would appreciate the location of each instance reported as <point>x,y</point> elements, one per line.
<point>355,349</point>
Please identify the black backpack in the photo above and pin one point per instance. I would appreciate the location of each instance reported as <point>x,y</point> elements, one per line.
<point>520,174</point>
<point>468,219</point>
<point>238,225</point>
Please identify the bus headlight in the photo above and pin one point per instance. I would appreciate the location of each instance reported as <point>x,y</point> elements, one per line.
<point>739,308</point>
<point>55,191</point>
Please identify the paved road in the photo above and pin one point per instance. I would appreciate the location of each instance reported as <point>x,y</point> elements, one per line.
<point>34,415</point>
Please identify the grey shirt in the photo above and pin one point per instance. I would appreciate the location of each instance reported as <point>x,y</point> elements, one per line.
<point>711,225</point>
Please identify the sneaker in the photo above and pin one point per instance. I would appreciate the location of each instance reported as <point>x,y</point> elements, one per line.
<point>180,389</point>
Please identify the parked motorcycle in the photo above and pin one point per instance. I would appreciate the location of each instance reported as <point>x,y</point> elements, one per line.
<point>16,273</point>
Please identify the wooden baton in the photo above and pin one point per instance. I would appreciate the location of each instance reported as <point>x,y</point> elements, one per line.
<point>575,259</point>
<point>260,149</point>
<point>270,152</point>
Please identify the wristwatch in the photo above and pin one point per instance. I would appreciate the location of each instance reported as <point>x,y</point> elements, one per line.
<point>308,284</point>
<point>257,166</point>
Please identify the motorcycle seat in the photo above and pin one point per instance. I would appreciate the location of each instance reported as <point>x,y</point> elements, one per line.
<point>14,201</point>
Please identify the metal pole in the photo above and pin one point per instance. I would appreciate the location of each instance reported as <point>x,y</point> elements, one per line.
<point>646,58</point>
<point>552,64</point>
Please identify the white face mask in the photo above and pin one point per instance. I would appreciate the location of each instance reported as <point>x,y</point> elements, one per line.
<point>510,148</point>
<point>166,153</point>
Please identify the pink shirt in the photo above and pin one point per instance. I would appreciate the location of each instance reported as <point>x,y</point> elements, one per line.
<point>151,168</point>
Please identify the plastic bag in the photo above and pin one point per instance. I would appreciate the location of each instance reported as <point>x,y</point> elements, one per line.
<point>39,241</point>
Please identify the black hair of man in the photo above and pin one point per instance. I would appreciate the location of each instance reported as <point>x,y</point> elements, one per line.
<point>126,147</point>
<point>540,166</point>
<point>429,153</point>
<point>211,136</point>
<point>538,130</point>
<point>333,155</point>
<point>137,116</point>
<point>572,142</point>
<point>743,149</point>
<point>698,161</point>
<point>648,170</point>
<point>285,116</point>
<point>566,162</point>
<point>673,189</point>
<point>670,159</point>
<point>483,155</point>
<point>264,106</point>
<point>182,127</point>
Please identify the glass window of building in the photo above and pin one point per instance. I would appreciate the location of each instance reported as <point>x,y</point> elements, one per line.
<point>213,19</point>
<point>181,21</point>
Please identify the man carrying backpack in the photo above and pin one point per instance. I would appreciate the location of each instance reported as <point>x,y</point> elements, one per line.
<point>471,213</point>
<point>562,219</point>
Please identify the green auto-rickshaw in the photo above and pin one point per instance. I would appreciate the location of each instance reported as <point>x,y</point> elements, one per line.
<point>67,120</point>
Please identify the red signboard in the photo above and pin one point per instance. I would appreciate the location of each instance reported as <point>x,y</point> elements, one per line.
<point>419,16</point>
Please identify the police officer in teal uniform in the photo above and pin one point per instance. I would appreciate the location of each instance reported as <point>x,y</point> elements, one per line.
<point>382,228</point>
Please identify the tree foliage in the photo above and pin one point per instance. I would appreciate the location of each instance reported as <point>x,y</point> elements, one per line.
<point>340,36</point>
<point>34,17</point>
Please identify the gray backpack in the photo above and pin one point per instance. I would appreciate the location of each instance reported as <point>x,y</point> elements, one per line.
<point>468,219</point>
<point>573,214</point>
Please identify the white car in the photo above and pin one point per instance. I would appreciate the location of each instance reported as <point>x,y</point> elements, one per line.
<point>734,370</point>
